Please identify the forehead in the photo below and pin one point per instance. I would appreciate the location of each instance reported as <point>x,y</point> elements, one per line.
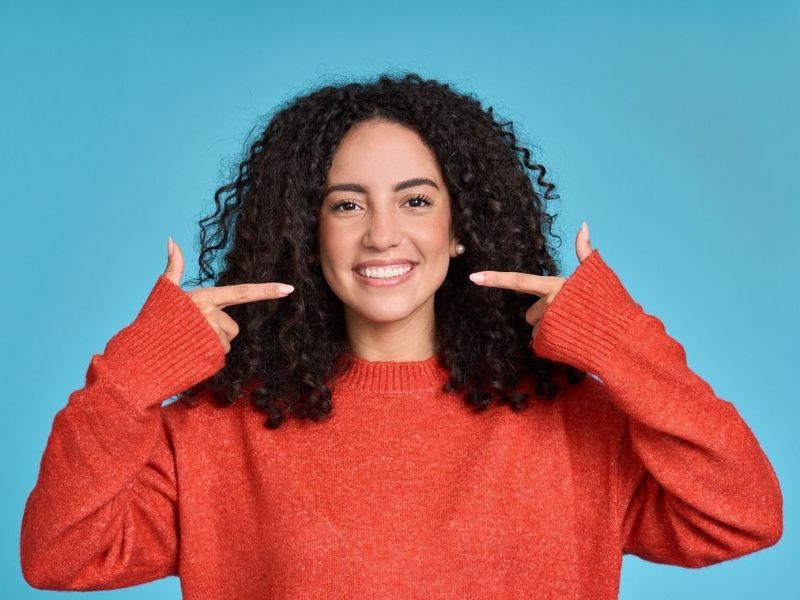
<point>380,150</point>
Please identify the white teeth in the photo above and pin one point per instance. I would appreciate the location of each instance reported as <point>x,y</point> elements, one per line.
<point>385,273</point>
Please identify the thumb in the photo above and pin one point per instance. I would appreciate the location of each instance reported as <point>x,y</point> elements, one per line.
<point>174,270</point>
<point>583,246</point>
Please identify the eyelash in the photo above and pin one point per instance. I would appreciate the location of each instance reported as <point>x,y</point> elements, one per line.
<point>422,197</point>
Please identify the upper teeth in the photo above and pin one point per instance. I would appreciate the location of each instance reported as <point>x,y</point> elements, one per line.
<point>385,271</point>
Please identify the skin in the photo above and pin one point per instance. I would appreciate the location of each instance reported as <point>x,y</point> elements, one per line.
<point>388,323</point>
<point>211,300</point>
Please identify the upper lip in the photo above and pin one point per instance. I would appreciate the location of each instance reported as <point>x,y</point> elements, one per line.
<point>387,262</point>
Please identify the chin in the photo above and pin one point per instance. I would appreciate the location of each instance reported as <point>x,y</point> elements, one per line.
<point>385,314</point>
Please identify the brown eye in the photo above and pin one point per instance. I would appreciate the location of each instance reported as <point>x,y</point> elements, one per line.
<point>420,197</point>
<point>336,206</point>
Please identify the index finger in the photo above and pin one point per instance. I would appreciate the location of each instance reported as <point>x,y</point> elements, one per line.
<point>240,293</point>
<point>520,282</point>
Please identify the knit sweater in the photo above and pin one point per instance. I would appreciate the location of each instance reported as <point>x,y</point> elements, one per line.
<point>405,491</point>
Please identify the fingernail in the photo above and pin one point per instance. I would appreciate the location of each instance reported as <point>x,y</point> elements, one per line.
<point>477,277</point>
<point>170,245</point>
<point>585,229</point>
<point>285,289</point>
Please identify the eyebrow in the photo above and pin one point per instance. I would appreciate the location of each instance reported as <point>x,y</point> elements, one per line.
<point>354,187</point>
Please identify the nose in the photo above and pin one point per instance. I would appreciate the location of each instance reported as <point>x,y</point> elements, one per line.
<point>383,229</point>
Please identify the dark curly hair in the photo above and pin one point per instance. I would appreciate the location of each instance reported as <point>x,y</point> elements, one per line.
<point>288,353</point>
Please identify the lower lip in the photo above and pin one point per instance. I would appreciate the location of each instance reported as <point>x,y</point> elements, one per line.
<point>385,282</point>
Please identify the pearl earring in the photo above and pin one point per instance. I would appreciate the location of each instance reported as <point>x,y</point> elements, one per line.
<point>460,249</point>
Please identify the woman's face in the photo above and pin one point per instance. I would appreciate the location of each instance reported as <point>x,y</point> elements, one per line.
<point>385,201</point>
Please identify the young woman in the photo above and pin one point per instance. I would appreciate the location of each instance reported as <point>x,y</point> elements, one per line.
<point>413,417</point>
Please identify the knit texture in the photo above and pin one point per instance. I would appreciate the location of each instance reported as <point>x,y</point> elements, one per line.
<point>405,492</point>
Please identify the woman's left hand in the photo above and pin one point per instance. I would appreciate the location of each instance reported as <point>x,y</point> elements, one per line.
<point>547,287</point>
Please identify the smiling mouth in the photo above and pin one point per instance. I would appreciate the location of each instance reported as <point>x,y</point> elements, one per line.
<point>378,273</point>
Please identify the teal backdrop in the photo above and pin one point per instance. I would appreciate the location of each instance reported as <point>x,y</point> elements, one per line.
<point>670,127</point>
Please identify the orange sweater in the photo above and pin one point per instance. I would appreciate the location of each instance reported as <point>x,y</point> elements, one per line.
<point>404,492</point>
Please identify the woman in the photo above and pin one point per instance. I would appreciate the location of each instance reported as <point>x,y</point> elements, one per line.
<point>348,438</point>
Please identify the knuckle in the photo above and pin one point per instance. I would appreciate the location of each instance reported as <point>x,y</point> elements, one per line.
<point>207,311</point>
<point>233,329</point>
<point>230,323</point>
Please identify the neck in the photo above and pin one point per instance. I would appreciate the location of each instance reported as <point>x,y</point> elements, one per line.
<point>409,339</point>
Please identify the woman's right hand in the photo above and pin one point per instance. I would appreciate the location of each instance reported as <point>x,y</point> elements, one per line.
<point>210,300</point>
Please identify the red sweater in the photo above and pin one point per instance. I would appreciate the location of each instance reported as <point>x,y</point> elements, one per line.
<point>404,492</point>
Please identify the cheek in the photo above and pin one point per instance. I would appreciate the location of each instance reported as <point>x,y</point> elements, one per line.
<point>436,239</point>
<point>330,245</point>
<point>334,254</point>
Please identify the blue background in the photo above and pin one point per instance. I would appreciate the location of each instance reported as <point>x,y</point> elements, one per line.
<point>671,128</point>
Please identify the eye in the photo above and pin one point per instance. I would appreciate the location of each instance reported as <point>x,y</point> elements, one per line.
<point>421,197</point>
<point>336,206</point>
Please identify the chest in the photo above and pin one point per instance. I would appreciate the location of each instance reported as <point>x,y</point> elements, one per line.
<point>394,501</point>
<point>394,494</point>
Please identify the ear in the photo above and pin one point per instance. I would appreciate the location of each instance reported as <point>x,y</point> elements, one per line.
<point>453,244</point>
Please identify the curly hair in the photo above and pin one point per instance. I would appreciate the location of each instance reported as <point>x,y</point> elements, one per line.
<point>288,353</point>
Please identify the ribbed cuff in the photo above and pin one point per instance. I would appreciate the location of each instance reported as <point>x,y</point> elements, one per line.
<point>588,318</point>
<point>169,347</point>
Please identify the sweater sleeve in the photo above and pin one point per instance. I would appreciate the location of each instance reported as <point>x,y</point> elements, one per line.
<point>103,512</point>
<point>693,486</point>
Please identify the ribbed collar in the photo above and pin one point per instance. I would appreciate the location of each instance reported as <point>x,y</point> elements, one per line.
<point>390,377</point>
